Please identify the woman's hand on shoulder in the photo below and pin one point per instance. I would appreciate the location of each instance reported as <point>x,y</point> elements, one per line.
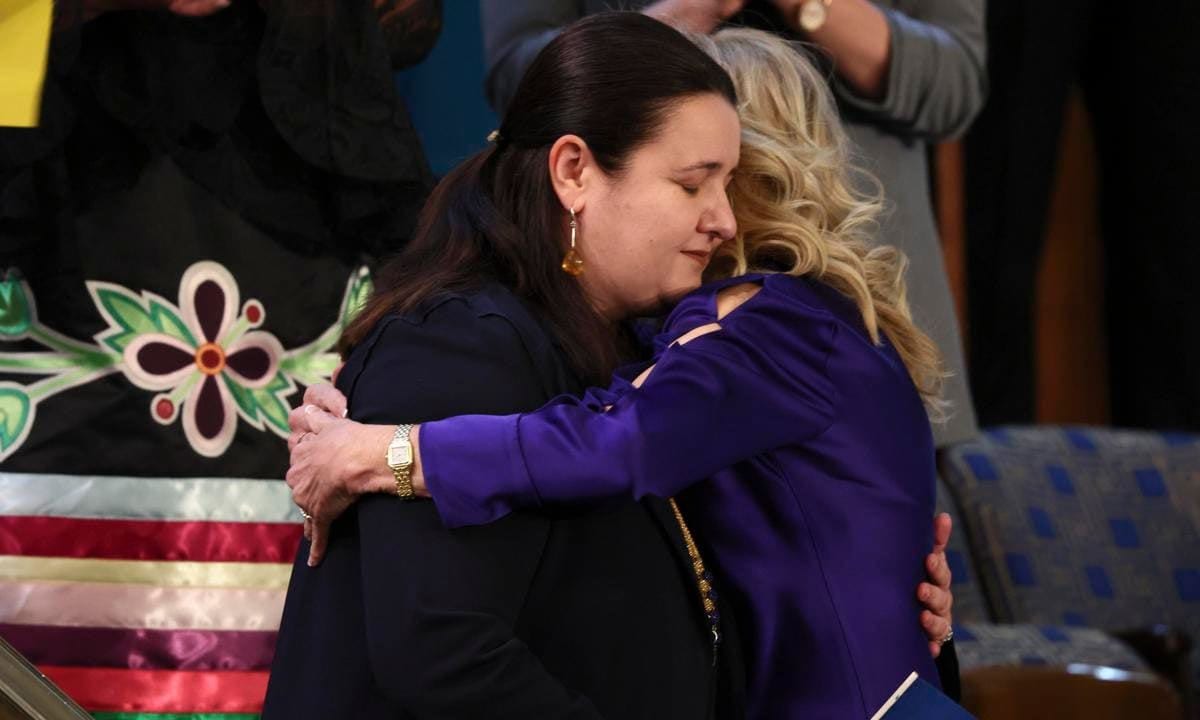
<point>323,396</point>
<point>332,461</point>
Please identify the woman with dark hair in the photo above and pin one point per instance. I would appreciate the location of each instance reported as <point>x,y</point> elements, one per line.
<point>792,387</point>
<point>540,615</point>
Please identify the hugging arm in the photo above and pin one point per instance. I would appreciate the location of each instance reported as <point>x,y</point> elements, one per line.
<point>706,406</point>
<point>498,444</point>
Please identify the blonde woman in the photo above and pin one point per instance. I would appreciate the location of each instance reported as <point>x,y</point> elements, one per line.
<point>785,409</point>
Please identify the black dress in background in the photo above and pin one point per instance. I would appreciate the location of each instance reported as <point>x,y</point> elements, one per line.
<point>265,150</point>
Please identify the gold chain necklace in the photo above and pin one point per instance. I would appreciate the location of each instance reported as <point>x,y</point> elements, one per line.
<point>704,578</point>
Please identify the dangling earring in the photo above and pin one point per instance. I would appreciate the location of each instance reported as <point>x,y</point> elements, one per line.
<point>572,264</point>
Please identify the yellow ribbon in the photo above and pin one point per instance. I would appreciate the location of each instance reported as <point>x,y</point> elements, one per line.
<point>266,576</point>
<point>24,44</point>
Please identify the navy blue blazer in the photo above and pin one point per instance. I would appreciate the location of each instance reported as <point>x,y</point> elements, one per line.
<point>584,615</point>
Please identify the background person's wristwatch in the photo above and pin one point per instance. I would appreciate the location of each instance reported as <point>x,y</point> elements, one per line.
<point>399,458</point>
<point>812,14</point>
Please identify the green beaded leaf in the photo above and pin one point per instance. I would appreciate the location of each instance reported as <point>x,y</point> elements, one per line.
<point>15,311</point>
<point>310,368</point>
<point>357,292</point>
<point>130,315</point>
<point>243,398</point>
<point>275,411</point>
<point>263,405</point>
<point>167,320</point>
<point>16,415</point>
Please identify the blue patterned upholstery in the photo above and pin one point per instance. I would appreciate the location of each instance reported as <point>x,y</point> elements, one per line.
<point>1080,526</point>
<point>984,644</point>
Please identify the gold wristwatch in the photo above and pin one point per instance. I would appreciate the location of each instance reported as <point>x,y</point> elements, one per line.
<point>812,14</point>
<point>400,459</point>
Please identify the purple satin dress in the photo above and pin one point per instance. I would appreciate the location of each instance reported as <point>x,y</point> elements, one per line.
<point>801,455</point>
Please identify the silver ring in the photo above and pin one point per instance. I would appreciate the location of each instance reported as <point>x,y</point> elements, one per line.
<point>948,638</point>
<point>309,517</point>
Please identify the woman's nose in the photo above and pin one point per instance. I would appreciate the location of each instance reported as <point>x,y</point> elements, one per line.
<point>719,220</point>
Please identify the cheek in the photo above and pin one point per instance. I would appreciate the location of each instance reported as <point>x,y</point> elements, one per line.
<point>675,231</point>
<point>632,228</point>
<point>638,238</point>
<point>609,246</point>
<point>661,221</point>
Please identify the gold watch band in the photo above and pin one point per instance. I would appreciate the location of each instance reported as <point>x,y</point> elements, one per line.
<point>403,469</point>
<point>404,488</point>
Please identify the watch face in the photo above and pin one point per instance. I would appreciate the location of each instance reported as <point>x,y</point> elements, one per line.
<point>812,15</point>
<point>399,455</point>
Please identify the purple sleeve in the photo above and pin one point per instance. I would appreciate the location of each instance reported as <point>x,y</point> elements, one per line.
<point>756,385</point>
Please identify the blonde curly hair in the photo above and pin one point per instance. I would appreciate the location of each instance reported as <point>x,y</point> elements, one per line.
<point>797,208</point>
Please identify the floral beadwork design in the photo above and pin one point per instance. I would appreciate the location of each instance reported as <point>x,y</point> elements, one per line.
<point>207,357</point>
<point>207,354</point>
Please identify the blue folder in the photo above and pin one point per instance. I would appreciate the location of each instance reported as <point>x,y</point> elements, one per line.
<point>916,699</point>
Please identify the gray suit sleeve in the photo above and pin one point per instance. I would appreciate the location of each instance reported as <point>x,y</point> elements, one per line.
<point>937,77</point>
<point>514,32</point>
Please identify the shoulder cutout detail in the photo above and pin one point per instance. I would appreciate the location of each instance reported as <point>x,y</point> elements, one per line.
<point>681,340</point>
<point>694,333</point>
<point>732,297</point>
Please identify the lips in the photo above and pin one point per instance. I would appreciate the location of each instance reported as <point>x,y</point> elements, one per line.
<point>700,256</point>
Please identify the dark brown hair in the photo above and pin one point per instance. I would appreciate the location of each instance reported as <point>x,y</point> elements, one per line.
<point>610,78</point>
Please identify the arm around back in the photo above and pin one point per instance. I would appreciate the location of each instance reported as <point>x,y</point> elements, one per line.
<point>757,384</point>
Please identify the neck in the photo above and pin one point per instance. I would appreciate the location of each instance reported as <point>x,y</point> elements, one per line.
<point>605,305</point>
